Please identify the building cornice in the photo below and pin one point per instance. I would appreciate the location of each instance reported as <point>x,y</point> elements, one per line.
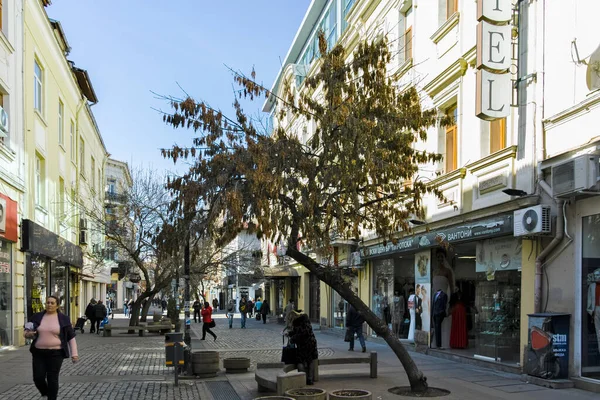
<point>494,158</point>
<point>454,71</point>
<point>445,28</point>
<point>459,173</point>
<point>577,110</point>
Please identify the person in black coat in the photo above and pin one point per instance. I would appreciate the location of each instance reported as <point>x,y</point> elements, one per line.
<point>100,313</point>
<point>265,310</point>
<point>90,313</point>
<point>304,338</point>
<point>354,324</point>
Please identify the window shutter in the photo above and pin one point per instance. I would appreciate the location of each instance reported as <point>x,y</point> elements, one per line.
<point>497,135</point>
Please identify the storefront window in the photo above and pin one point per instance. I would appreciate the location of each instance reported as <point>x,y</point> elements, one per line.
<point>5,293</point>
<point>39,277</point>
<point>58,283</point>
<point>590,321</point>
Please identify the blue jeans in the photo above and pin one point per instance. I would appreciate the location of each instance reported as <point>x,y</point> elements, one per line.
<point>243,320</point>
<point>230,318</point>
<point>359,333</point>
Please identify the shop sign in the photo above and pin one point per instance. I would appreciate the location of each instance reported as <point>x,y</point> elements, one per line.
<point>483,229</point>
<point>494,44</point>
<point>500,254</point>
<point>38,240</point>
<point>8,218</point>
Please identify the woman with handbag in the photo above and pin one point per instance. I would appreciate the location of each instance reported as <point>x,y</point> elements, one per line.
<point>302,335</point>
<point>207,320</point>
<point>53,341</point>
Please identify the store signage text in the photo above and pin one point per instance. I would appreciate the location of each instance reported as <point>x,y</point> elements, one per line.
<point>494,44</point>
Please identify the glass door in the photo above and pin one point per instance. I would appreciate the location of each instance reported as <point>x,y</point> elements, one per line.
<point>590,291</point>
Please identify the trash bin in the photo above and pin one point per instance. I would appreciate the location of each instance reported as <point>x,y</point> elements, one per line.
<point>547,354</point>
<point>174,349</point>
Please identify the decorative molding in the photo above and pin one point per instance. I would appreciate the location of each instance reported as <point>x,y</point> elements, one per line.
<point>4,40</point>
<point>449,177</point>
<point>445,28</point>
<point>403,69</point>
<point>492,159</point>
<point>471,56</point>
<point>455,70</point>
<point>6,152</point>
<point>573,112</point>
<point>405,5</point>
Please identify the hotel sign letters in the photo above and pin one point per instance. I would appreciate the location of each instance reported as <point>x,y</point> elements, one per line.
<point>494,43</point>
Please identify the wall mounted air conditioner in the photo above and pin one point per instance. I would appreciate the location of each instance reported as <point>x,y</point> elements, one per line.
<point>575,175</point>
<point>532,221</point>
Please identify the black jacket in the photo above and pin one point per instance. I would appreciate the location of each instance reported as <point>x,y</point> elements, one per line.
<point>100,311</point>
<point>439,303</point>
<point>66,331</point>
<point>265,309</point>
<point>90,311</point>
<point>354,319</point>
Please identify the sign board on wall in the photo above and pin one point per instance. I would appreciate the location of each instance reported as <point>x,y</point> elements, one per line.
<point>8,218</point>
<point>499,254</point>
<point>423,285</point>
<point>494,44</point>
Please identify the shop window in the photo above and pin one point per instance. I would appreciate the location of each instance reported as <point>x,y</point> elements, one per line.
<point>5,293</point>
<point>451,143</point>
<point>39,283</point>
<point>58,283</point>
<point>590,319</point>
<point>497,135</point>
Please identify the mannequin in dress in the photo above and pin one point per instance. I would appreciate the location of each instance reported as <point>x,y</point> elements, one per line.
<point>412,306</point>
<point>593,301</point>
<point>443,279</point>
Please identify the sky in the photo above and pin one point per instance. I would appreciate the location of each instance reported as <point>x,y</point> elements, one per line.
<point>132,48</point>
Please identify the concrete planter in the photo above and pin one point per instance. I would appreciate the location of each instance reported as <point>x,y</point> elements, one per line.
<point>236,364</point>
<point>273,398</point>
<point>205,363</point>
<point>307,394</point>
<point>350,394</point>
<point>156,317</point>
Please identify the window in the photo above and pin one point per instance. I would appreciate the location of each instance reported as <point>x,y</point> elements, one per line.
<point>347,6</point>
<point>82,157</point>
<point>40,181</point>
<point>112,186</point>
<point>61,133</point>
<point>38,86</point>
<point>73,144</point>
<point>497,135</point>
<point>451,141</point>
<point>408,44</point>
<point>4,132</point>
<point>99,180</point>
<point>93,174</point>
<point>62,198</point>
<point>451,8</point>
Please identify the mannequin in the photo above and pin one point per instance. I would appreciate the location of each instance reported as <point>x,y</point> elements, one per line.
<point>440,303</point>
<point>443,279</point>
<point>593,301</point>
<point>397,313</point>
<point>412,306</point>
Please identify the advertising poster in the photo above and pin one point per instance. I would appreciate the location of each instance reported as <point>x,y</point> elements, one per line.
<point>501,254</point>
<point>548,346</point>
<point>423,285</point>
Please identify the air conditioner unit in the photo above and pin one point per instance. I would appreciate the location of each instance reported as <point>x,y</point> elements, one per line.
<point>532,221</point>
<point>83,237</point>
<point>3,121</point>
<point>83,224</point>
<point>575,175</point>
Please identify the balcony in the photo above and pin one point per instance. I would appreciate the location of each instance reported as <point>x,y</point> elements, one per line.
<point>114,197</point>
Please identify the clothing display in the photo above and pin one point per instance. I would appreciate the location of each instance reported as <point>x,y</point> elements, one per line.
<point>398,307</point>
<point>411,310</point>
<point>593,302</point>
<point>441,282</point>
<point>440,302</point>
<point>458,332</point>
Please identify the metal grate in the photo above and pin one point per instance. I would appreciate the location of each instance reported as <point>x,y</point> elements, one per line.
<point>222,390</point>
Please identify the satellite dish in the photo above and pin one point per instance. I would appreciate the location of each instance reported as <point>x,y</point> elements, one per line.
<point>593,70</point>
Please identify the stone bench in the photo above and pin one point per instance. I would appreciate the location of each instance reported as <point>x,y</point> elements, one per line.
<point>108,328</point>
<point>156,328</point>
<point>271,377</point>
<point>370,359</point>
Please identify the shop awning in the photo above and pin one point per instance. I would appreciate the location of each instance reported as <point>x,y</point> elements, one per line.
<point>279,272</point>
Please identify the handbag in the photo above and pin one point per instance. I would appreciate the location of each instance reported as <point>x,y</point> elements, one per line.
<point>348,336</point>
<point>289,353</point>
<point>212,324</point>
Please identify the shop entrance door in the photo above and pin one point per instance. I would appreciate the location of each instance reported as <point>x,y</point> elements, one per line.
<point>314,299</point>
<point>589,218</point>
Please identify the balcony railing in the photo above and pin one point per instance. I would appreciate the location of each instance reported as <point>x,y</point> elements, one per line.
<point>115,197</point>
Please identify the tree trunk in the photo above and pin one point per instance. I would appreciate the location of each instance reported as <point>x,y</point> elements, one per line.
<point>332,277</point>
<point>146,307</point>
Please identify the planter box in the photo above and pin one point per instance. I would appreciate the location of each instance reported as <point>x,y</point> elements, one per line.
<point>350,394</point>
<point>236,365</point>
<point>273,398</point>
<point>307,394</point>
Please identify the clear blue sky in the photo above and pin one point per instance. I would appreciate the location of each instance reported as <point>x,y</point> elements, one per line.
<point>133,47</point>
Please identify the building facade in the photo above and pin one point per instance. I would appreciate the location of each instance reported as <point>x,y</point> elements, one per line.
<point>12,172</point>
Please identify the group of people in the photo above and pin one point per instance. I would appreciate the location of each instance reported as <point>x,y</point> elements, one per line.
<point>248,308</point>
<point>95,312</point>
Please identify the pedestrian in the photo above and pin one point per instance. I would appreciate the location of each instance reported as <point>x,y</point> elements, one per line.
<point>215,304</point>
<point>163,305</point>
<point>125,308</point>
<point>250,305</point>
<point>90,313</point>
<point>257,306</point>
<point>53,341</point>
<point>197,307</point>
<point>290,307</point>
<point>130,306</point>
<point>354,325</point>
<point>100,314</point>
<point>265,310</point>
<point>207,321</point>
<point>302,335</point>
<point>230,311</point>
<point>243,311</point>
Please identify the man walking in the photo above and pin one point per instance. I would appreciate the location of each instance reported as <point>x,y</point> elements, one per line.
<point>215,305</point>
<point>243,311</point>
<point>197,308</point>
<point>354,324</point>
<point>90,313</point>
<point>265,310</point>
<point>100,314</point>
<point>250,307</point>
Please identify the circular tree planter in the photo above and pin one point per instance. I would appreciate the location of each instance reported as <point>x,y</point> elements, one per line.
<point>307,394</point>
<point>352,394</point>
<point>236,365</point>
<point>273,398</point>
<point>430,392</point>
<point>205,364</point>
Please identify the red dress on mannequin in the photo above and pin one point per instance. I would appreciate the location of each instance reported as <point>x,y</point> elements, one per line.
<point>458,332</point>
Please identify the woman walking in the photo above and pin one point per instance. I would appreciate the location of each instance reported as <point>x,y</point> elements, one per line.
<point>53,341</point>
<point>230,311</point>
<point>207,321</point>
<point>301,334</point>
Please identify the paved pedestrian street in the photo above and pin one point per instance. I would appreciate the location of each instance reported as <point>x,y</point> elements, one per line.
<point>131,367</point>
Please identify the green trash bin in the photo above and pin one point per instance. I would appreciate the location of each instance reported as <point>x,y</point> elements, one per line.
<point>174,349</point>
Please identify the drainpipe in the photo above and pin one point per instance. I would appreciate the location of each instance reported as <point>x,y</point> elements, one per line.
<point>539,261</point>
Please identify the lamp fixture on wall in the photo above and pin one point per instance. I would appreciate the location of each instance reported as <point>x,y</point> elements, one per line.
<point>515,192</point>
